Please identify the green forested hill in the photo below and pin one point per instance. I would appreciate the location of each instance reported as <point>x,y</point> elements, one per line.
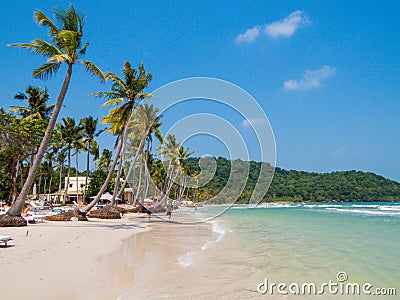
<point>305,186</point>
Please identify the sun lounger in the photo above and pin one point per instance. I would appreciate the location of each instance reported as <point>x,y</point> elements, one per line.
<point>4,239</point>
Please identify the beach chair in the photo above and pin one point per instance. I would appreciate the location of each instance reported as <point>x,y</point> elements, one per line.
<point>4,239</point>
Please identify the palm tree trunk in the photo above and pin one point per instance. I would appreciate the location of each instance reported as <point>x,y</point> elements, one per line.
<point>169,187</point>
<point>139,184</point>
<point>14,175</point>
<point>146,180</point>
<point>121,161</point>
<point>87,173</point>
<point>146,170</point>
<point>45,185</point>
<point>68,175</point>
<point>105,184</point>
<point>117,180</point>
<point>51,180</point>
<point>59,184</point>
<point>139,149</point>
<point>16,208</point>
<point>133,200</point>
<point>40,183</point>
<point>76,175</point>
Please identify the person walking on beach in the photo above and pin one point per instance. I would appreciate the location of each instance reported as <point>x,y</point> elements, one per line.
<point>169,209</point>
<point>148,212</point>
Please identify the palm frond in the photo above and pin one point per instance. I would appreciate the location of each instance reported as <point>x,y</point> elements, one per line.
<point>92,69</point>
<point>83,50</point>
<point>69,18</point>
<point>107,95</point>
<point>46,71</point>
<point>19,109</point>
<point>20,96</point>
<point>33,116</point>
<point>45,21</point>
<point>116,79</point>
<point>60,58</point>
<point>113,102</point>
<point>94,149</point>
<point>144,96</point>
<point>39,47</point>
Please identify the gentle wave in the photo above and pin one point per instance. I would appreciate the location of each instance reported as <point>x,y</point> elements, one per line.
<point>365,212</point>
<point>191,257</point>
<point>364,206</point>
<point>389,207</point>
<point>218,228</point>
<point>242,207</point>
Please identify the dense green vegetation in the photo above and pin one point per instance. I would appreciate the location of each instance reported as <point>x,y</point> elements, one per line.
<point>305,186</point>
<point>37,152</point>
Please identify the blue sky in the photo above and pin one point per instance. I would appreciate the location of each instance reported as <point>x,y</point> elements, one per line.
<point>326,73</point>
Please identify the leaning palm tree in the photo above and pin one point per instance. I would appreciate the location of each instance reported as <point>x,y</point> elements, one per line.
<point>89,126</point>
<point>183,154</point>
<point>66,48</point>
<point>169,152</point>
<point>124,92</point>
<point>147,123</point>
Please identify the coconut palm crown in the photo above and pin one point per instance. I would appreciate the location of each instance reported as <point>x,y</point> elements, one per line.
<point>65,46</point>
<point>125,93</point>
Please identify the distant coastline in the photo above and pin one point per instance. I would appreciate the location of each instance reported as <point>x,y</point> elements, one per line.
<point>299,186</point>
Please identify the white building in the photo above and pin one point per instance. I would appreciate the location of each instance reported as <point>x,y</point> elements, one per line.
<point>74,193</point>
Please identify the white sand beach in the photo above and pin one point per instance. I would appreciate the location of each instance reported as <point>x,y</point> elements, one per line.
<point>65,260</point>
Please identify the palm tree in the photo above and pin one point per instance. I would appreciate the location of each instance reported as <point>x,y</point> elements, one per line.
<point>37,99</point>
<point>65,48</point>
<point>89,126</point>
<point>104,161</point>
<point>49,158</point>
<point>61,156</point>
<point>70,134</point>
<point>36,112</point>
<point>169,152</point>
<point>147,124</point>
<point>124,93</point>
<point>184,169</point>
<point>79,146</point>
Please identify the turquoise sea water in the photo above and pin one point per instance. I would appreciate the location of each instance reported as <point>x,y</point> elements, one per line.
<point>314,242</point>
<point>290,244</point>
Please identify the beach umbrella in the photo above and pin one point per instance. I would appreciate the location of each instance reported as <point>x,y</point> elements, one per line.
<point>106,196</point>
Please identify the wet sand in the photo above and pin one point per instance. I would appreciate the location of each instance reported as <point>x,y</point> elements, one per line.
<point>177,261</point>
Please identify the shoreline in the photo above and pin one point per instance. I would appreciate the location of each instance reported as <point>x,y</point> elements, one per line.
<point>188,261</point>
<point>66,260</point>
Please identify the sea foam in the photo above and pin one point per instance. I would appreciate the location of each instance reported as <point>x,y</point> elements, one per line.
<point>191,257</point>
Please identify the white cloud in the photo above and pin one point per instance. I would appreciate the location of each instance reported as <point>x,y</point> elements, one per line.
<point>249,36</point>
<point>254,122</point>
<point>287,26</point>
<point>310,80</point>
<point>339,152</point>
